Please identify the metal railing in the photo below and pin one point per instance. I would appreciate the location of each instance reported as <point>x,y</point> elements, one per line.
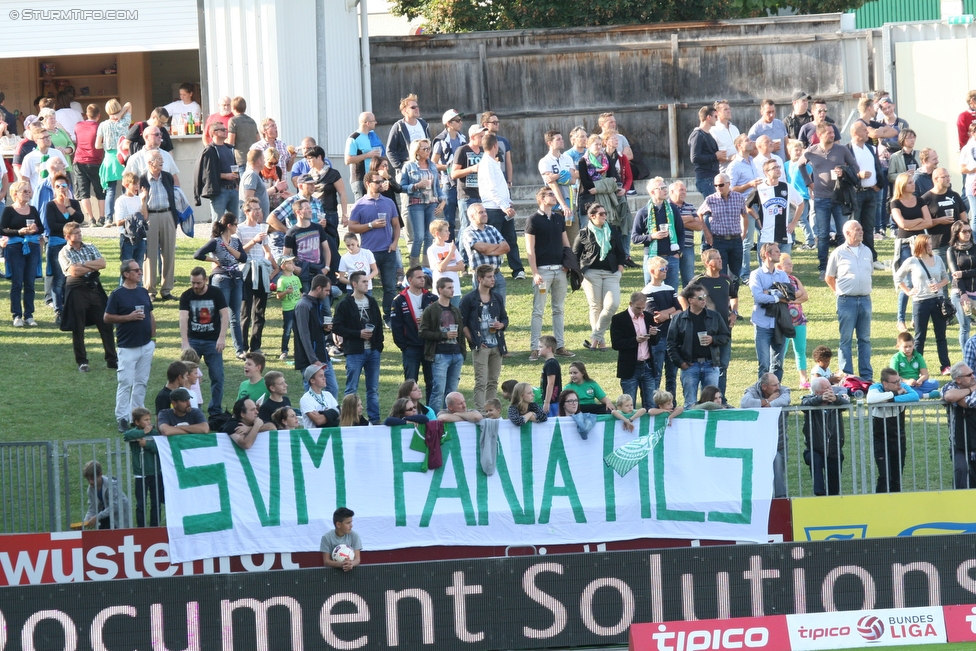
<point>42,487</point>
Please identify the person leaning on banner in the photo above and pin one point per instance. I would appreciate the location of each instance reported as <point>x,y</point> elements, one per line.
<point>888,428</point>
<point>342,534</point>
<point>960,398</point>
<point>824,433</point>
<point>108,506</point>
<point>181,418</point>
<point>768,392</point>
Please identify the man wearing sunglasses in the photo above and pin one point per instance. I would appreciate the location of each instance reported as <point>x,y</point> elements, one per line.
<point>726,221</point>
<point>403,132</point>
<point>363,149</point>
<point>131,312</point>
<point>445,145</point>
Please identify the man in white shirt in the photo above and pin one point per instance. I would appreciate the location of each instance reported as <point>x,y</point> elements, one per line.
<point>725,133</point>
<point>138,162</point>
<point>849,276</point>
<point>34,163</point>
<point>764,149</point>
<point>497,201</point>
<point>319,407</point>
<point>560,174</point>
<point>866,198</point>
<point>184,104</point>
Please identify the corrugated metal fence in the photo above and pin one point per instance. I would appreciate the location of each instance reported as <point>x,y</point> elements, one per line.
<point>878,12</point>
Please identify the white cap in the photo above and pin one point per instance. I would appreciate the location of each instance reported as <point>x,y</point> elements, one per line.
<point>449,115</point>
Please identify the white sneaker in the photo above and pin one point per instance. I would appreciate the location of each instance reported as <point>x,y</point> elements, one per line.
<point>880,266</point>
<point>18,322</point>
<point>31,322</point>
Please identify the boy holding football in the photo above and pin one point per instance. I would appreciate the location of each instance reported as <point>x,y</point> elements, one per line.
<point>341,546</point>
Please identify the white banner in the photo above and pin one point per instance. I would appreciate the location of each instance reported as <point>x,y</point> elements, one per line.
<point>710,476</point>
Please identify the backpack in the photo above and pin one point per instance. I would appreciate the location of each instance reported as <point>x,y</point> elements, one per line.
<point>135,228</point>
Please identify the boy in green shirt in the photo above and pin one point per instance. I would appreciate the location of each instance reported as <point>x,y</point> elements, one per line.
<point>288,290</point>
<point>912,368</point>
<point>145,466</point>
<point>253,387</point>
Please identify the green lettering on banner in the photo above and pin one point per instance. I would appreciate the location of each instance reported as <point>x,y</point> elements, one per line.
<point>270,517</point>
<point>399,467</point>
<point>557,459</point>
<point>451,452</point>
<point>663,512</point>
<point>745,454</point>
<point>523,513</point>
<point>198,476</point>
<point>316,452</point>
<point>610,477</point>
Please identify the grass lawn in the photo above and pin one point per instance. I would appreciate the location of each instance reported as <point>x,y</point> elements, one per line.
<point>46,398</point>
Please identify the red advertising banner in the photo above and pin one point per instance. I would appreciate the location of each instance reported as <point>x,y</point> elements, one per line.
<point>960,623</point>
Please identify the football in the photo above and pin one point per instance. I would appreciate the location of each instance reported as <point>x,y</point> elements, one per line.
<point>343,553</point>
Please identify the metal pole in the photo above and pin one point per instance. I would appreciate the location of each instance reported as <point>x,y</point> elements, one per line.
<point>367,90</point>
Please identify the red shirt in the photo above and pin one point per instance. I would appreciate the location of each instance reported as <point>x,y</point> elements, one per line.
<point>85,152</point>
<point>962,127</point>
<point>214,117</point>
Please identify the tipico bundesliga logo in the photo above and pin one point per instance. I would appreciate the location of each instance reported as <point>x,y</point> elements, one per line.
<point>871,628</point>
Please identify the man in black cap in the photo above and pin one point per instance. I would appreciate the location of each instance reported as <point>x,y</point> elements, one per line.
<point>181,418</point>
<point>800,115</point>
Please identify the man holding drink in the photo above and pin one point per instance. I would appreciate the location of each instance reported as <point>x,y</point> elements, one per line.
<point>130,310</point>
<point>695,341</point>
<point>373,218</point>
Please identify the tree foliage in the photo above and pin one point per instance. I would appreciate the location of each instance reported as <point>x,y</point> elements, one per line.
<point>450,16</point>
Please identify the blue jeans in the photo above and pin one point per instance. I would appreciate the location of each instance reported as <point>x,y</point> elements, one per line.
<point>705,186</point>
<point>865,213</point>
<point>447,373</point>
<point>962,318</point>
<point>674,268</point>
<point>747,245</point>
<point>664,366</point>
<point>506,227</point>
<point>882,217</point>
<point>450,212</point>
<point>854,313</point>
<point>23,270</point>
<point>421,215</point>
<point>288,322</point>
<point>826,210</point>
<point>731,252</point>
<point>413,362</point>
<point>386,263</point>
<point>232,288</point>
<point>57,275</point>
<point>110,190</point>
<point>644,378</point>
<point>770,356</point>
<point>207,349</point>
<point>227,201</point>
<point>687,265</point>
<point>696,377</point>
<point>370,362</point>
<point>129,251</point>
<point>725,356</point>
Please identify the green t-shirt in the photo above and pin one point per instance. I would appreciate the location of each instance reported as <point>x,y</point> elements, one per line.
<point>908,368</point>
<point>289,301</point>
<point>589,392</point>
<point>253,391</point>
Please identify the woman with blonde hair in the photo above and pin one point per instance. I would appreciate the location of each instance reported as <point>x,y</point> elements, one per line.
<point>426,199</point>
<point>911,218</point>
<point>21,224</point>
<point>109,133</point>
<point>351,412</point>
<point>929,276</point>
<point>524,409</point>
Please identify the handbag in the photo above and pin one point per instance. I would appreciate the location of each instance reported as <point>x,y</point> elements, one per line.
<point>946,308</point>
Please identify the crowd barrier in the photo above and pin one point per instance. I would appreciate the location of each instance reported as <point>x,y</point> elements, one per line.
<point>42,489</point>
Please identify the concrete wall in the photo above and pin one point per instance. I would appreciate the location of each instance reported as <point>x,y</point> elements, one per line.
<point>541,79</point>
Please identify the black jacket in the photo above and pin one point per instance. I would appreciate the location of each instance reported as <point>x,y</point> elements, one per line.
<point>471,317</point>
<point>206,175</point>
<point>572,268</point>
<point>623,339</point>
<point>349,326</point>
<point>169,184</point>
<point>845,190</point>
<point>680,335</point>
<point>703,149</point>
<point>398,143</point>
<point>587,250</point>
<point>309,337</point>
<point>824,428</point>
<point>403,320</point>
